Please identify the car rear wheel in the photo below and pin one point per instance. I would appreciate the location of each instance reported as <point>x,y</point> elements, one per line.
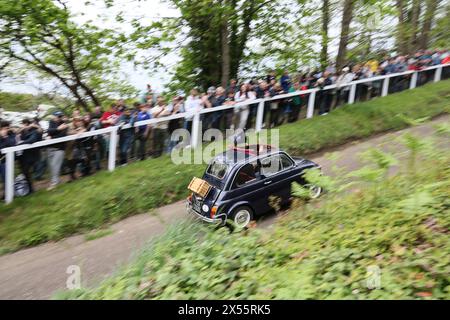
<point>314,191</point>
<point>241,217</point>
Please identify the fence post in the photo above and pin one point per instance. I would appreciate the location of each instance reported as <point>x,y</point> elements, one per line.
<point>437,74</point>
<point>112,149</point>
<point>260,117</point>
<point>385,91</point>
<point>195,131</point>
<point>413,83</point>
<point>9,181</point>
<point>311,102</point>
<point>351,96</point>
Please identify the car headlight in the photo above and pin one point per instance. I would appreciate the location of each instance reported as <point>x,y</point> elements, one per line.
<point>205,208</point>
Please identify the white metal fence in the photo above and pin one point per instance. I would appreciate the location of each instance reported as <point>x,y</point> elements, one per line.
<point>196,132</point>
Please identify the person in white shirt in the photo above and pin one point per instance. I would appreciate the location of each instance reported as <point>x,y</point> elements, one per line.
<point>159,131</point>
<point>192,105</point>
<point>244,94</point>
<point>345,78</point>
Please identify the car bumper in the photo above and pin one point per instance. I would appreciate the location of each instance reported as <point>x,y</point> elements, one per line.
<point>221,219</point>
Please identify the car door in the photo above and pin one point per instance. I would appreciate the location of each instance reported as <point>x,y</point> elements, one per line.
<point>287,175</point>
<point>277,176</point>
<point>246,187</point>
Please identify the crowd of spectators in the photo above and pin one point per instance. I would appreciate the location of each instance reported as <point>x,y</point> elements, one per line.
<point>81,157</point>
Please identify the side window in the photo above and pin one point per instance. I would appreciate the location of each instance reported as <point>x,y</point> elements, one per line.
<point>245,175</point>
<point>285,162</point>
<point>270,165</point>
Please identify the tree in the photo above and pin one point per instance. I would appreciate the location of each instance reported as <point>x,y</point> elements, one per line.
<point>415,19</point>
<point>3,66</point>
<point>440,37</point>
<point>325,38</point>
<point>369,33</point>
<point>218,31</point>
<point>225,50</point>
<point>39,35</point>
<point>220,39</point>
<point>431,6</point>
<point>347,16</point>
<point>402,27</point>
<point>415,22</point>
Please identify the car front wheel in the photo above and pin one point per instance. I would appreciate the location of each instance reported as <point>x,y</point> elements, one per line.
<point>241,217</point>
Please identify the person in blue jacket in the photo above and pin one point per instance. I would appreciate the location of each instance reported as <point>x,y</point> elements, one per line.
<point>126,136</point>
<point>29,134</point>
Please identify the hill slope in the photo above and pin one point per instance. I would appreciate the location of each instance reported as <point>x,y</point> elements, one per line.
<point>386,239</point>
<point>108,197</point>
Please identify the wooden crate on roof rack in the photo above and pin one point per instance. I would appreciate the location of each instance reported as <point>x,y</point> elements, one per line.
<point>199,186</point>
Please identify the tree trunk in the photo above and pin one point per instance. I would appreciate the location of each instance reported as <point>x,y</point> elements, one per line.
<point>91,94</point>
<point>345,33</point>
<point>81,102</point>
<point>241,39</point>
<point>225,54</point>
<point>234,40</point>
<point>402,42</point>
<point>325,23</point>
<point>427,23</point>
<point>369,44</point>
<point>79,99</point>
<point>415,15</point>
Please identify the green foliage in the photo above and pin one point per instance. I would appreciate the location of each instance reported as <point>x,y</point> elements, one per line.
<point>98,234</point>
<point>415,145</point>
<point>219,40</point>
<point>413,122</point>
<point>369,174</point>
<point>321,251</point>
<point>382,160</point>
<point>440,38</point>
<point>40,36</point>
<point>284,35</point>
<point>300,191</point>
<point>370,31</point>
<point>27,102</point>
<point>313,177</point>
<point>140,187</point>
<point>443,129</point>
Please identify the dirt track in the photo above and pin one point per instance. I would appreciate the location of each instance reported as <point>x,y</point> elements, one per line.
<point>38,272</point>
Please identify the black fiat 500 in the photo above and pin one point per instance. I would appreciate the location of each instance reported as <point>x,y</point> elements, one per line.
<point>241,180</point>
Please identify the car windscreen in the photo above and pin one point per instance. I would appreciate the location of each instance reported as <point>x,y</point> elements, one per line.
<point>217,169</point>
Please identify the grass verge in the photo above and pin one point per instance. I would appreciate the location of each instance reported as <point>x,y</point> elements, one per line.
<point>96,201</point>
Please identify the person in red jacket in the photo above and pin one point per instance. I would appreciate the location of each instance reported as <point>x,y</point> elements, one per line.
<point>446,60</point>
<point>111,117</point>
